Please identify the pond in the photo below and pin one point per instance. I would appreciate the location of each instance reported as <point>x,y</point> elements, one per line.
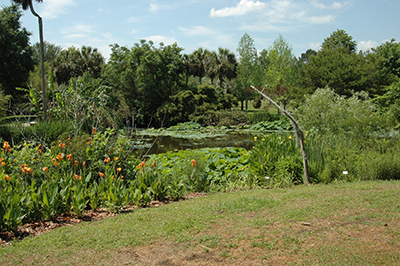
<point>164,143</point>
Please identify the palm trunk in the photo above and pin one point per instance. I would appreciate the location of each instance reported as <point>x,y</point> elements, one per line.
<point>41,60</point>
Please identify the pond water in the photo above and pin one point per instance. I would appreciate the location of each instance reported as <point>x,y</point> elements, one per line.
<point>162,144</point>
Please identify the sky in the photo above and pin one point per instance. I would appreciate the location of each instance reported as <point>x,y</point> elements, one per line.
<point>212,24</point>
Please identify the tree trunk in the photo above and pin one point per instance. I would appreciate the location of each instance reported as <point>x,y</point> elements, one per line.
<point>41,60</point>
<point>297,131</point>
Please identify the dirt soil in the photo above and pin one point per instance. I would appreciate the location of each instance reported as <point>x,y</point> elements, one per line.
<point>67,219</point>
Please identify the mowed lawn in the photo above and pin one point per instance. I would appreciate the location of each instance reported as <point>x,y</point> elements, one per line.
<point>336,224</point>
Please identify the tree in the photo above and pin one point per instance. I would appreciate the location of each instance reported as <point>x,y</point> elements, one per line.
<point>199,56</point>
<point>210,63</point>
<point>25,4</point>
<point>338,67</point>
<point>50,52</point>
<point>390,102</point>
<point>248,69</point>
<point>159,75</point>
<point>280,71</point>
<point>305,57</point>
<point>389,52</point>
<point>339,39</point>
<point>74,62</point>
<point>16,54</point>
<point>225,65</point>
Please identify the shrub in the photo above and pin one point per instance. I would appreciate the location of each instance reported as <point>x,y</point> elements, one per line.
<point>376,165</point>
<point>260,116</point>
<point>226,118</point>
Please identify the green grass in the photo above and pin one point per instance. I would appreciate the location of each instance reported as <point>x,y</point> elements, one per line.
<point>337,224</point>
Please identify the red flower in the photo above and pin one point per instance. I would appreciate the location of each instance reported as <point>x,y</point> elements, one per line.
<point>194,163</point>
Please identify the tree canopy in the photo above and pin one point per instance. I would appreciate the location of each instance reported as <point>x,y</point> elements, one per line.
<point>16,53</point>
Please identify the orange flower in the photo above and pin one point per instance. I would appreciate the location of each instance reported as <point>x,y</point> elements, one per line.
<point>112,177</point>
<point>63,146</point>
<point>101,174</point>
<point>122,177</point>
<point>7,177</point>
<point>69,157</point>
<point>115,158</point>
<point>3,163</point>
<point>94,131</point>
<point>55,164</point>
<point>194,163</point>
<point>59,157</point>
<point>27,170</point>
<point>6,145</point>
<point>44,169</point>
<point>1,159</point>
<point>77,177</point>
<point>107,160</point>
<point>83,164</point>
<point>119,169</point>
<point>53,160</point>
<point>141,165</point>
<point>76,163</point>
<point>153,164</point>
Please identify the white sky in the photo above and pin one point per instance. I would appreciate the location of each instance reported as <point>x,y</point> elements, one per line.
<point>212,23</point>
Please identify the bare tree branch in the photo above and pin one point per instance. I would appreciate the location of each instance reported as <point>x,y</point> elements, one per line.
<point>298,133</point>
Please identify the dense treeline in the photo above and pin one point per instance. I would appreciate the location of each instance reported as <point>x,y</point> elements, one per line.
<point>161,86</point>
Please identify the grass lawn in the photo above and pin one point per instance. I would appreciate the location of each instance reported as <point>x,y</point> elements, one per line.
<point>337,224</point>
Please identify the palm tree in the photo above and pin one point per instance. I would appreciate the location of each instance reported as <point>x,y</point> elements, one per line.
<point>91,61</point>
<point>25,5</point>
<point>210,66</point>
<point>199,56</point>
<point>226,65</point>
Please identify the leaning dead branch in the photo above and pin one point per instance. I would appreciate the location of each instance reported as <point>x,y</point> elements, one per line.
<point>297,132</point>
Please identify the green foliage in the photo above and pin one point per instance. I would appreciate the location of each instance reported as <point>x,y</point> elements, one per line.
<point>73,63</point>
<point>339,39</point>
<point>44,132</point>
<point>227,118</point>
<point>249,71</point>
<point>178,109</point>
<point>3,104</point>
<point>327,113</point>
<point>389,53</point>
<point>390,103</point>
<point>16,56</point>
<point>209,99</point>
<point>279,71</point>
<point>40,182</point>
<point>276,125</point>
<point>276,161</point>
<point>84,103</point>
<point>379,166</point>
<point>261,116</point>
<point>257,103</point>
